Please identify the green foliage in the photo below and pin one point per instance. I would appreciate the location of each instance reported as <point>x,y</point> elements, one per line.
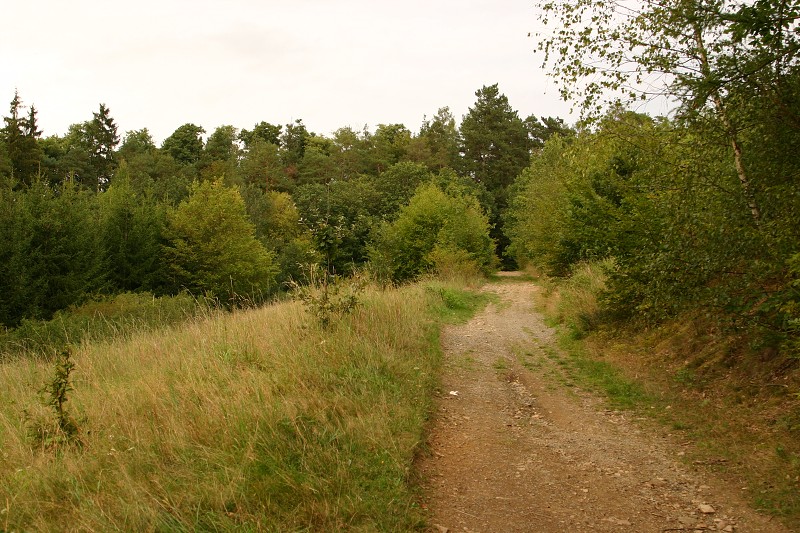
<point>494,142</point>
<point>538,209</point>
<point>293,141</point>
<point>440,138</point>
<point>261,167</point>
<point>220,156</point>
<point>390,146</point>
<point>495,148</point>
<point>790,308</point>
<point>433,225</point>
<point>540,130</point>
<point>340,216</point>
<point>132,227</point>
<point>185,145</point>
<point>261,132</point>
<point>150,171</point>
<point>316,165</point>
<point>50,257</point>
<point>278,227</point>
<point>663,201</point>
<point>212,249</point>
<point>21,148</point>
<point>397,184</point>
<point>102,140</point>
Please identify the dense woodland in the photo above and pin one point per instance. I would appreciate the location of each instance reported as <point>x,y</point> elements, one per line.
<point>238,214</point>
<point>698,211</point>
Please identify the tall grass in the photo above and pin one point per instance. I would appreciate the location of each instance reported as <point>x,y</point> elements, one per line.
<point>98,319</point>
<point>258,420</point>
<point>575,301</point>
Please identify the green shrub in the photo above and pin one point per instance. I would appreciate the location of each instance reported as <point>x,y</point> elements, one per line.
<point>212,248</point>
<point>435,230</point>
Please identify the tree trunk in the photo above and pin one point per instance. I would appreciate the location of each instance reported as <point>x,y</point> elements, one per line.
<point>730,130</point>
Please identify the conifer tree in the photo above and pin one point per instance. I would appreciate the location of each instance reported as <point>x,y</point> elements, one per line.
<point>20,135</point>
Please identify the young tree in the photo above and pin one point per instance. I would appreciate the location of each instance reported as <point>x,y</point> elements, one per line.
<point>279,227</point>
<point>541,129</point>
<point>150,171</point>
<point>495,149</point>
<point>49,258</point>
<point>389,146</point>
<point>293,143</point>
<point>440,138</point>
<point>212,249</point>
<point>317,165</point>
<point>340,216</point>
<point>703,55</point>
<point>263,132</point>
<point>220,154</point>
<point>136,142</point>
<point>397,185</point>
<point>261,166</point>
<point>131,232</point>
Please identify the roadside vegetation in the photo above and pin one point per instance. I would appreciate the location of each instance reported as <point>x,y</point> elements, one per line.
<point>736,411</point>
<point>257,420</point>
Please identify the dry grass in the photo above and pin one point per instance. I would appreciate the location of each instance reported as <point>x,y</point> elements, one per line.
<point>574,301</point>
<point>253,421</point>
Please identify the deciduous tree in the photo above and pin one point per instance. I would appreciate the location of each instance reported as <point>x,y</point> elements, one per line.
<point>212,249</point>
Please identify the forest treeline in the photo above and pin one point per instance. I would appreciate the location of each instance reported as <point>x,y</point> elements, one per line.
<point>698,211</point>
<point>239,213</point>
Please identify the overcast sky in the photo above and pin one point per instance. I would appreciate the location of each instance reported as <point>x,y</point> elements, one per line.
<point>161,64</point>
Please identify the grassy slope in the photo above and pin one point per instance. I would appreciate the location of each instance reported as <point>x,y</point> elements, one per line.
<point>740,410</point>
<point>254,421</point>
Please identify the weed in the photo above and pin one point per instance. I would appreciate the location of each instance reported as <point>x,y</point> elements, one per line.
<point>64,429</point>
<point>328,297</point>
<point>500,364</point>
<point>685,376</point>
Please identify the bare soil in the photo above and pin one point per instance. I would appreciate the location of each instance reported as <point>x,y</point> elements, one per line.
<point>515,446</point>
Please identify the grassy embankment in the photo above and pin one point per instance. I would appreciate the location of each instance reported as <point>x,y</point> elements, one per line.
<point>259,420</point>
<point>736,409</point>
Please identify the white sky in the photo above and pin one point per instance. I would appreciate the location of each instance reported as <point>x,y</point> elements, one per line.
<point>161,64</point>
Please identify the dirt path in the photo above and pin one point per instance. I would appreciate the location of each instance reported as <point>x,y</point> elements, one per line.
<point>515,447</point>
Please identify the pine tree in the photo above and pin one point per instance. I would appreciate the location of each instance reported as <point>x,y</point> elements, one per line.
<point>103,139</point>
<point>20,135</point>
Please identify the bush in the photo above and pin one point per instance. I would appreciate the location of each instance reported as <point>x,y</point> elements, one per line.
<point>434,230</point>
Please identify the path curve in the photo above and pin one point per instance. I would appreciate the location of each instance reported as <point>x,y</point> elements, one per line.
<point>515,447</point>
